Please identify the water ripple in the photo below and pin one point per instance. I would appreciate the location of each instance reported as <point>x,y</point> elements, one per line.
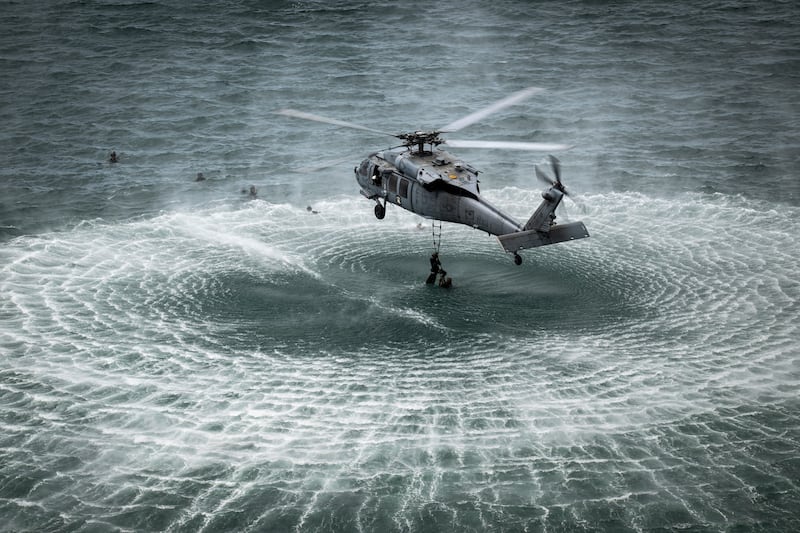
<point>177,357</point>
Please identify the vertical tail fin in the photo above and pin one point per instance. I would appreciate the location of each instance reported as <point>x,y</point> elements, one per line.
<point>545,214</point>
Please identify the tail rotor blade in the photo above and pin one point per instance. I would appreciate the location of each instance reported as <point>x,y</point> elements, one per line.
<point>542,176</point>
<point>556,164</point>
<point>563,208</point>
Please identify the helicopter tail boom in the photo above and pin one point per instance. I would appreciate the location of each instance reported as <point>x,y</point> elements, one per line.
<point>521,240</point>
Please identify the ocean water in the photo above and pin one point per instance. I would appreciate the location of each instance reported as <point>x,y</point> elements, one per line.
<point>175,356</point>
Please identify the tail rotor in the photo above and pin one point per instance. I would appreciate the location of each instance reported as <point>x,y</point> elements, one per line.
<point>554,180</point>
<point>555,164</point>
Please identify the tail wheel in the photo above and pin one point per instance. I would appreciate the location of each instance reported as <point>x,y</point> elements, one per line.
<point>380,211</point>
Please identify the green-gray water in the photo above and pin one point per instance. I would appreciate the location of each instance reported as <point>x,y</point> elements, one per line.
<point>175,356</point>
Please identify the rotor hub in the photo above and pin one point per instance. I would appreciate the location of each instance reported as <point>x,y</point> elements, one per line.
<point>421,138</point>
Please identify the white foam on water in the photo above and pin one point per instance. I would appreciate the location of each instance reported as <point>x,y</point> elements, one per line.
<point>696,314</point>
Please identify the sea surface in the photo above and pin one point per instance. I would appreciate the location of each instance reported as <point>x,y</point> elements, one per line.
<point>177,356</point>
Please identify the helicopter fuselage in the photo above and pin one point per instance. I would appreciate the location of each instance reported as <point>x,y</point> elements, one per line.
<point>433,184</point>
<point>436,185</point>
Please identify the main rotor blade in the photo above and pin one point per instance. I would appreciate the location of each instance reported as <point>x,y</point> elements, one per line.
<point>509,145</point>
<point>494,108</point>
<point>317,118</point>
<point>322,165</point>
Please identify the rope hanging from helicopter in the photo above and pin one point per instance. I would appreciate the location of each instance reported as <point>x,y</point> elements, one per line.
<point>436,230</point>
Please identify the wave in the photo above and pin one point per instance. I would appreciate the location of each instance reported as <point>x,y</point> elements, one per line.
<point>212,358</point>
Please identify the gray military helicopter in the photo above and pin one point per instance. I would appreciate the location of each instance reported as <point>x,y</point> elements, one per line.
<point>434,184</point>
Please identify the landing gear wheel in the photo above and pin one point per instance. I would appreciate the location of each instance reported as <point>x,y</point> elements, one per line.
<point>380,211</point>
<point>517,259</point>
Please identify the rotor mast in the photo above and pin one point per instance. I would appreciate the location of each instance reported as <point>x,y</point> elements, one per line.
<point>420,139</point>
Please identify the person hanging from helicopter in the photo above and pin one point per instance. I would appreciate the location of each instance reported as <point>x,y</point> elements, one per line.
<point>436,267</point>
<point>444,281</point>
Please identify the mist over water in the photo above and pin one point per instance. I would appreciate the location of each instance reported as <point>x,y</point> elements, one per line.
<point>176,356</point>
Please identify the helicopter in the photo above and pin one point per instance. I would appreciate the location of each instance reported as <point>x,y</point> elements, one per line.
<point>435,184</point>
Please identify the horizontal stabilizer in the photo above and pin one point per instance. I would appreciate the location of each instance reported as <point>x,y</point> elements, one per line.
<point>521,240</point>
